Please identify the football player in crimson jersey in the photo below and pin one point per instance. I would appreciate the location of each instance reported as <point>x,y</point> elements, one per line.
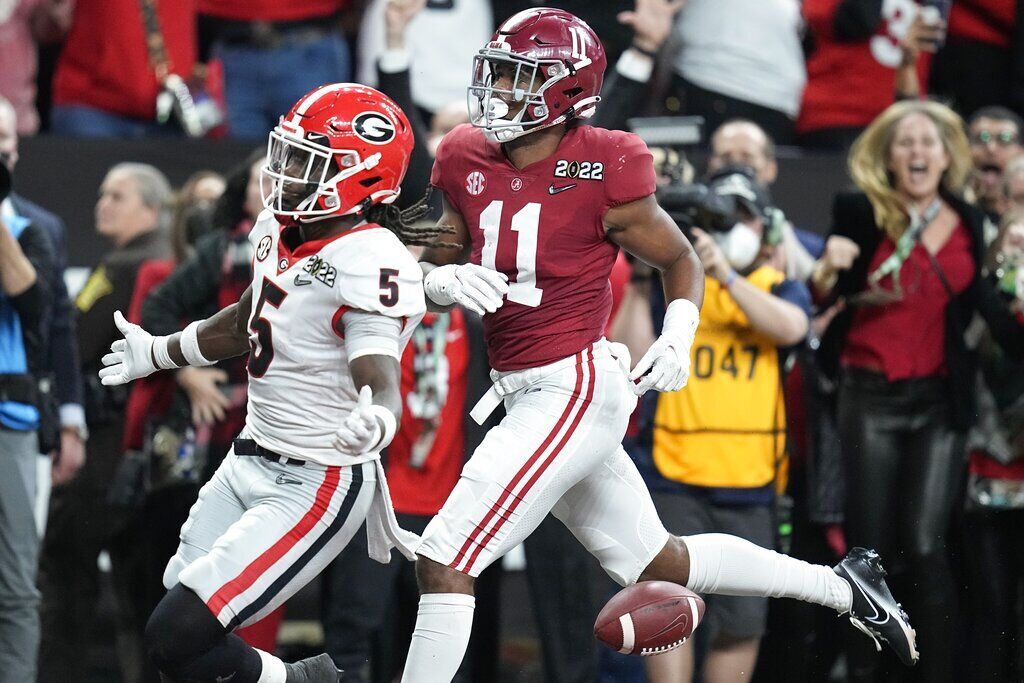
<point>543,203</point>
<point>334,299</point>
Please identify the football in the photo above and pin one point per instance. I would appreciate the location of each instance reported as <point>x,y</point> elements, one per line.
<point>649,618</point>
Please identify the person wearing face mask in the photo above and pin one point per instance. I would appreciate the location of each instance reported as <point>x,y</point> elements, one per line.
<point>718,447</point>
<point>911,283</point>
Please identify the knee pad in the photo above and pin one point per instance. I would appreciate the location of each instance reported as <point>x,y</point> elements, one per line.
<point>180,629</point>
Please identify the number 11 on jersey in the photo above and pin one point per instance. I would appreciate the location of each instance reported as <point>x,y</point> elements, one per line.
<point>526,222</point>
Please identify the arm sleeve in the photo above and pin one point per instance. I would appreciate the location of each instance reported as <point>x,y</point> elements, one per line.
<point>621,98</point>
<point>796,293</point>
<point>398,87</point>
<point>187,293</point>
<point>1007,329</point>
<point>371,334</point>
<point>63,360</point>
<point>113,287</point>
<point>850,212</point>
<point>33,305</point>
<point>629,170</point>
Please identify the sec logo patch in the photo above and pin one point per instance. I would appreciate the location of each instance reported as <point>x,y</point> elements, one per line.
<point>475,183</point>
<point>263,248</point>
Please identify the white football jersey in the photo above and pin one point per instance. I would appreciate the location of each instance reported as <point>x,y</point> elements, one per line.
<point>300,388</point>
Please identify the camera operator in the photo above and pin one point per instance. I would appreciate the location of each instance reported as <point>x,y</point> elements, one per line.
<point>67,448</point>
<point>26,267</point>
<point>718,447</point>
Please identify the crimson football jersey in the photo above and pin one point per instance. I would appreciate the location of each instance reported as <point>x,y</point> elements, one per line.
<point>542,226</point>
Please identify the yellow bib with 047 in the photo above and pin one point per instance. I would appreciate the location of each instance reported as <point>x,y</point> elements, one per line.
<point>726,428</point>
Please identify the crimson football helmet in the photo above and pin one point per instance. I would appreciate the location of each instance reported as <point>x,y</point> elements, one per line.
<point>547,60</point>
<point>341,149</point>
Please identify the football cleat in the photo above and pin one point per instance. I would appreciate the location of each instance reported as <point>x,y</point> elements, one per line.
<point>874,611</point>
<point>319,669</point>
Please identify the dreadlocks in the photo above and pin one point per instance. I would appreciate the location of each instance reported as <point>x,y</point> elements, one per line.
<point>405,226</point>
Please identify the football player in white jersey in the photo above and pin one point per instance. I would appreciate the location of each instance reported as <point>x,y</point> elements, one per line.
<point>334,299</point>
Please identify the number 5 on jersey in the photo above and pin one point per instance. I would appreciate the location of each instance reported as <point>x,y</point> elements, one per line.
<point>526,222</point>
<point>262,347</point>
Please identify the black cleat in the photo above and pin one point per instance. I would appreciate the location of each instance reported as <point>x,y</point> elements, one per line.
<point>874,610</point>
<point>319,669</point>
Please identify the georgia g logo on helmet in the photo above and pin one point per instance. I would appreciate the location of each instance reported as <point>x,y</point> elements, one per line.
<point>373,127</point>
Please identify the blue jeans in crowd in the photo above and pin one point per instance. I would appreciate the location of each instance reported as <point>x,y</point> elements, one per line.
<point>262,85</point>
<point>80,121</point>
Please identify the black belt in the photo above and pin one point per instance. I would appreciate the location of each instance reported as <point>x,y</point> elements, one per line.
<point>250,447</point>
<point>269,35</point>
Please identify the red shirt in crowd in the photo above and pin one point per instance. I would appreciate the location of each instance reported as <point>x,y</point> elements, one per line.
<point>22,24</point>
<point>850,83</point>
<point>151,395</point>
<point>907,339</point>
<point>270,10</point>
<point>421,488</point>
<point>105,64</point>
<point>985,21</point>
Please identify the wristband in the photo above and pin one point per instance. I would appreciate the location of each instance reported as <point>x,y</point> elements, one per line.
<point>393,60</point>
<point>681,319</point>
<point>387,425</point>
<point>161,354</point>
<point>190,346</point>
<point>729,279</point>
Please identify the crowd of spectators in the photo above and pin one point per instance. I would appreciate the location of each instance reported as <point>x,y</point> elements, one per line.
<point>857,384</point>
<point>812,73</point>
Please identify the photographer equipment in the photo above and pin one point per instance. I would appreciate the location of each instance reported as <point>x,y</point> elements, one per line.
<point>726,197</point>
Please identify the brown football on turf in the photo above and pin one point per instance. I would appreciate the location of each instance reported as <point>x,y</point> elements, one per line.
<point>649,618</point>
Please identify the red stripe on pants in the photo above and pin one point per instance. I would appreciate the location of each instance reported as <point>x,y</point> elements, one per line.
<point>241,583</point>
<point>540,470</point>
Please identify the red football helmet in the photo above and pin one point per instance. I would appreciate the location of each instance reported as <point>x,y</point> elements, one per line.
<point>546,59</point>
<point>341,149</point>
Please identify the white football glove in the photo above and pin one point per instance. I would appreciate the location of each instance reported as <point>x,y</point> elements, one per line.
<point>367,428</point>
<point>666,365</point>
<point>129,358</point>
<point>479,289</point>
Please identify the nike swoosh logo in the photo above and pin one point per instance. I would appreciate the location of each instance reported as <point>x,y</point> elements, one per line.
<point>555,190</point>
<point>873,619</point>
<point>225,679</point>
<point>299,281</point>
<point>282,479</point>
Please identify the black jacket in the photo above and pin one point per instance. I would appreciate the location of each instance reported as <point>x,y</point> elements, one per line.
<point>110,288</point>
<point>33,305</point>
<point>398,87</point>
<point>62,355</point>
<point>853,217</point>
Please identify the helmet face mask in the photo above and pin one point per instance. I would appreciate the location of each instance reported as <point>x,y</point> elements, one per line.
<point>506,97</point>
<point>542,67</point>
<point>302,172</point>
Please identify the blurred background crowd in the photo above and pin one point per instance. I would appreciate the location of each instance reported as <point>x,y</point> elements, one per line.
<point>856,194</point>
